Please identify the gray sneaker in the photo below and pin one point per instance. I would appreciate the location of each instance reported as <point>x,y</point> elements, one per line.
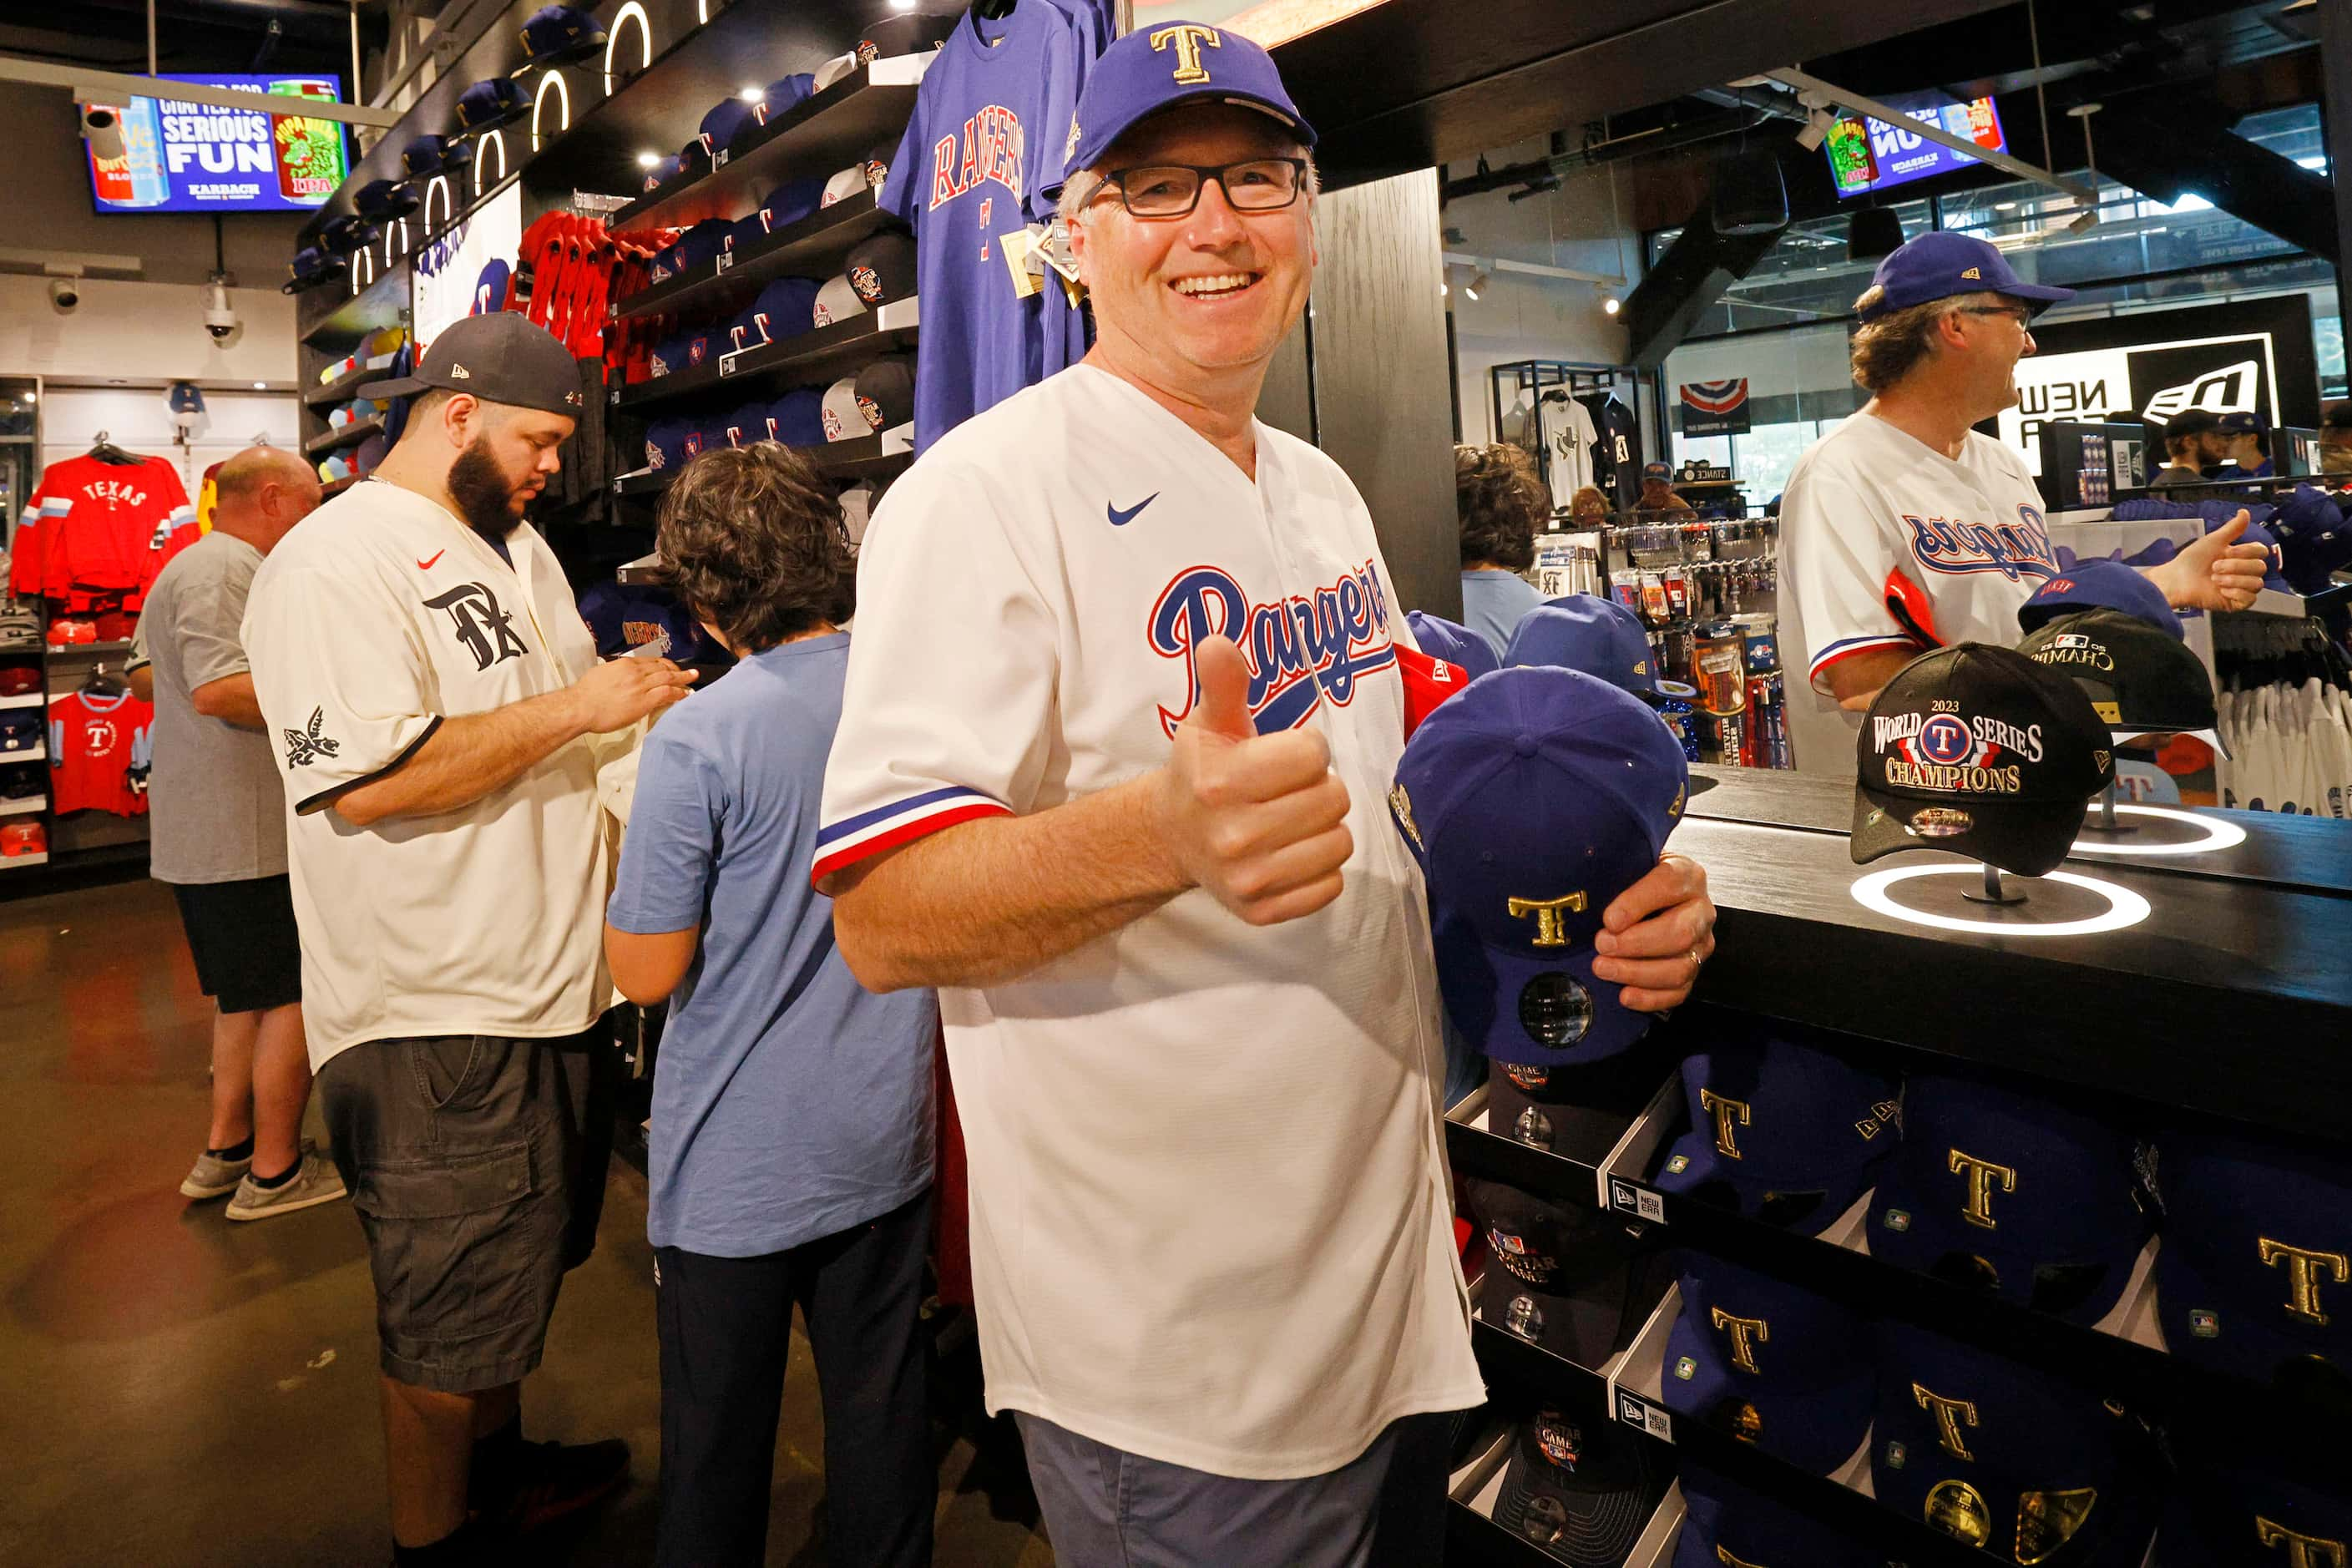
<point>213,1176</point>
<point>318,1182</point>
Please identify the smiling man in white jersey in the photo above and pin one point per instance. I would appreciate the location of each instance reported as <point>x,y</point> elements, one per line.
<point>1185,965</point>
<point>1906,529</point>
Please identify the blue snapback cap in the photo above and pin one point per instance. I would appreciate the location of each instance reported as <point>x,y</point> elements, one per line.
<point>2099,584</point>
<point>487,105</point>
<point>788,204</point>
<point>786,307</point>
<point>1782,1129</point>
<point>1531,800</point>
<point>1453,642</point>
<point>2234,1515</point>
<point>2243,422</point>
<point>1945,262</point>
<point>1585,632</point>
<point>2029,1199</point>
<point>1159,66</point>
<point>384,198</point>
<point>721,124</point>
<point>2008,1458</point>
<point>555,33</point>
<point>1772,1363</point>
<point>2254,1276</point>
<point>798,418</point>
<point>702,243</point>
<point>624,619</point>
<point>779,96</point>
<point>1725,1521</point>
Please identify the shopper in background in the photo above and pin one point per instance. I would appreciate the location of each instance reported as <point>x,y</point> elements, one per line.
<point>1191,1000</point>
<point>2335,438</point>
<point>216,834</point>
<point>421,660</point>
<point>1588,509</point>
<point>1501,505</point>
<point>2192,443</point>
<point>1658,498</point>
<point>1906,528</point>
<point>2245,446</point>
<point>790,1155</point>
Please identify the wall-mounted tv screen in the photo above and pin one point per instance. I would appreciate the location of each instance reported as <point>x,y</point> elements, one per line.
<point>1867,154</point>
<point>181,157</point>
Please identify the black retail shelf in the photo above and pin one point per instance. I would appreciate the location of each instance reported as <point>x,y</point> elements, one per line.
<point>811,357</point>
<point>336,487</point>
<point>859,458</point>
<point>382,303</point>
<point>816,247</point>
<point>344,387</point>
<point>2164,1011</point>
<point>87,649</point>
<point>1472,1537</point>
<point>342,436</point>
<point>2311,853</point>
<point>820,135</point>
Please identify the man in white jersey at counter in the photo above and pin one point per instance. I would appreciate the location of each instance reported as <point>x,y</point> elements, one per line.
<point>1185,965</point>
<point>1906,529</point>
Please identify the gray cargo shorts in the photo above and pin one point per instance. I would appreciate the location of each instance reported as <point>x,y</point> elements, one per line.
<point>477,1165</point>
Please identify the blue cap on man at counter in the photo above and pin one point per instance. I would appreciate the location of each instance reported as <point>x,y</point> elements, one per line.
<point>1169,63</point>
<point>1943,263</point>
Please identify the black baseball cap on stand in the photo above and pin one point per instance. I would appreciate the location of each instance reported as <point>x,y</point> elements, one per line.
<point>2139,680</point>
<point>1978,751</point>
<point>503,357</point>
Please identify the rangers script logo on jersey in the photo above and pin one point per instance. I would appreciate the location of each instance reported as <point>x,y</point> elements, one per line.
<point>2016,550</point>
<point>1295,650</point>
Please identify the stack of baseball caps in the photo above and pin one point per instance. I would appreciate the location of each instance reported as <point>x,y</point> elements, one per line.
<point>1785,1126</point>
<point>1769,1363</point>
<point>2110,628</point>
<point>1576,1281</point>
<point>1582,1490</point>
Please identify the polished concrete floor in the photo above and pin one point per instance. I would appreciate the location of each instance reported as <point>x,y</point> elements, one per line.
<point>178,1390</point>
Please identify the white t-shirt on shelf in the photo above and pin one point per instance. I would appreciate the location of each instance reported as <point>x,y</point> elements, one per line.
<point>377,618</point>
<point>1210,1214</point>
<point>1869,500</point>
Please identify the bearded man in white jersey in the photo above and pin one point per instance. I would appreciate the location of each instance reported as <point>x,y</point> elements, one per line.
<point>1906,528</point>
<point>1184,964</point>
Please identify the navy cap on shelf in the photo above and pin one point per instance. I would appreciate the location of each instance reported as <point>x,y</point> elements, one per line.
<point>553,33</point>
<point>1769,1363</point>
<point>487,105</point>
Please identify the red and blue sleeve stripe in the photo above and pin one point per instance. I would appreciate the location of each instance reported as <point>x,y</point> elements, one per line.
<point>1849,646</point>
<point>854,838</point>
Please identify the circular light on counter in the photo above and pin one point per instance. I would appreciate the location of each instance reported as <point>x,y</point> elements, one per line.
<point>2219,835</point>
<point>2125,907</point>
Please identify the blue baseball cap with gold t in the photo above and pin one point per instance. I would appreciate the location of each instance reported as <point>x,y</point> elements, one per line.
<point>1159,66</point>
<point>1942,263</point>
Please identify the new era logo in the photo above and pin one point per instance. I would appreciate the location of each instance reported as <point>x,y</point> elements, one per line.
<point>460,373</point>
<point>2234,390</point>
<point>1975,274</point>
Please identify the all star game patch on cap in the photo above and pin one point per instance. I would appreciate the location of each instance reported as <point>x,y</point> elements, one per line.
<point>1980,751</point>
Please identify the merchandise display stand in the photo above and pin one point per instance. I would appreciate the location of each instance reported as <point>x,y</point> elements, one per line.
<point>2242,943</point>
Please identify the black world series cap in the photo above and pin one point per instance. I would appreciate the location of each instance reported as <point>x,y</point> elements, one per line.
<point>501,357</point>
<point>1978,751</point>
<point>2139,680</point>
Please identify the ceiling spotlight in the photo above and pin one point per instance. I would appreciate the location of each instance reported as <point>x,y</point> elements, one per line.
<point>648,159</point>
<point>1612,304</point>
<point>902,4</point>
<point>32,397</point>
<point>1816,131</point>
<point>750,94</point>
<point>1478,281</point>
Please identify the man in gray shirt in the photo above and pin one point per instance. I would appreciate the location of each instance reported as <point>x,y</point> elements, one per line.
<point>216,817</point>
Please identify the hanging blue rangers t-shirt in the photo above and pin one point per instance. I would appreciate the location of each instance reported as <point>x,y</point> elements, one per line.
<point>990,127</point>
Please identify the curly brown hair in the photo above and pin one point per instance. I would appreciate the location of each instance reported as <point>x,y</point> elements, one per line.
<point>752,540</point>
<point>1501,504</point>
<point>1887,350</point>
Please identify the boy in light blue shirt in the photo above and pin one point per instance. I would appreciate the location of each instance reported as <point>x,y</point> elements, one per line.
<point>790,1149</point>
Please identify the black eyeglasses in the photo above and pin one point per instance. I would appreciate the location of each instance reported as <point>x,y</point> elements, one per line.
<point>2017,313</point>
<point>1173,190</point>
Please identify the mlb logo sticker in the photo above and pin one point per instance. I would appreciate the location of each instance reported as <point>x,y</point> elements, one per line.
<point>1899,1219</point>
<point>1678,1164</point>
<point>1504,1242</point>
<point>1896,1454</point>
<point>2204,1324</point>
<point>1686,1368</point>
<point>2071,639</point>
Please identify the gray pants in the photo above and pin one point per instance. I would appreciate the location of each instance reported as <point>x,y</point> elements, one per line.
<point>1105,1508</point>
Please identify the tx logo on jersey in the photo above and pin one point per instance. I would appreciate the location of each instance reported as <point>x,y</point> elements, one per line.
<point>2016,550</point>
<point>1297,651</point>
<point>992,147</point>
<point>306,746</point>
<point>483,629</point>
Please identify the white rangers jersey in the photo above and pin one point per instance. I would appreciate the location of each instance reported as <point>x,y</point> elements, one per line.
<point>378,618</point>
<point>1210,1220</point>
<point>1867,502</point>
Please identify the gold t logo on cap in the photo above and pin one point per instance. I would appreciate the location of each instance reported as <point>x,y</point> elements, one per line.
<point>1551,930</point>
<point>1187,37</point>
<point>1746,1334</point>
<point>1952,1415</point>
<point>2304,1272</point>
<point>1727,1112</point>
<point>2302,1551</point>
<point>1981,1175</point>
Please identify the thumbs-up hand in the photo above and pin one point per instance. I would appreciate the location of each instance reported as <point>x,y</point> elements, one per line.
<point>1258,820</point>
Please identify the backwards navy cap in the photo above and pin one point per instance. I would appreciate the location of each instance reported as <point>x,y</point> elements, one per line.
<point>1586,632</point>
<point>1770,1362</point>
<point>2033,1201</point>
<point>1531,800</point>
<point>1942,263</point>
<point>1159,66</point>
<point>1453,642</point>
<point>2100,585</point>
<point>555,33</point>
<point>487,105</point>
<point>1782,1127</point>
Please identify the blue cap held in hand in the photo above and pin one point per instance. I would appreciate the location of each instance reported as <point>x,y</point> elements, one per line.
<point>1532,800</point>
<point>2099,585</point>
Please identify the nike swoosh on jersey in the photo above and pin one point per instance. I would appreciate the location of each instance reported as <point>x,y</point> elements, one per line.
<point>427,565</point>
<point>1120,518</point>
